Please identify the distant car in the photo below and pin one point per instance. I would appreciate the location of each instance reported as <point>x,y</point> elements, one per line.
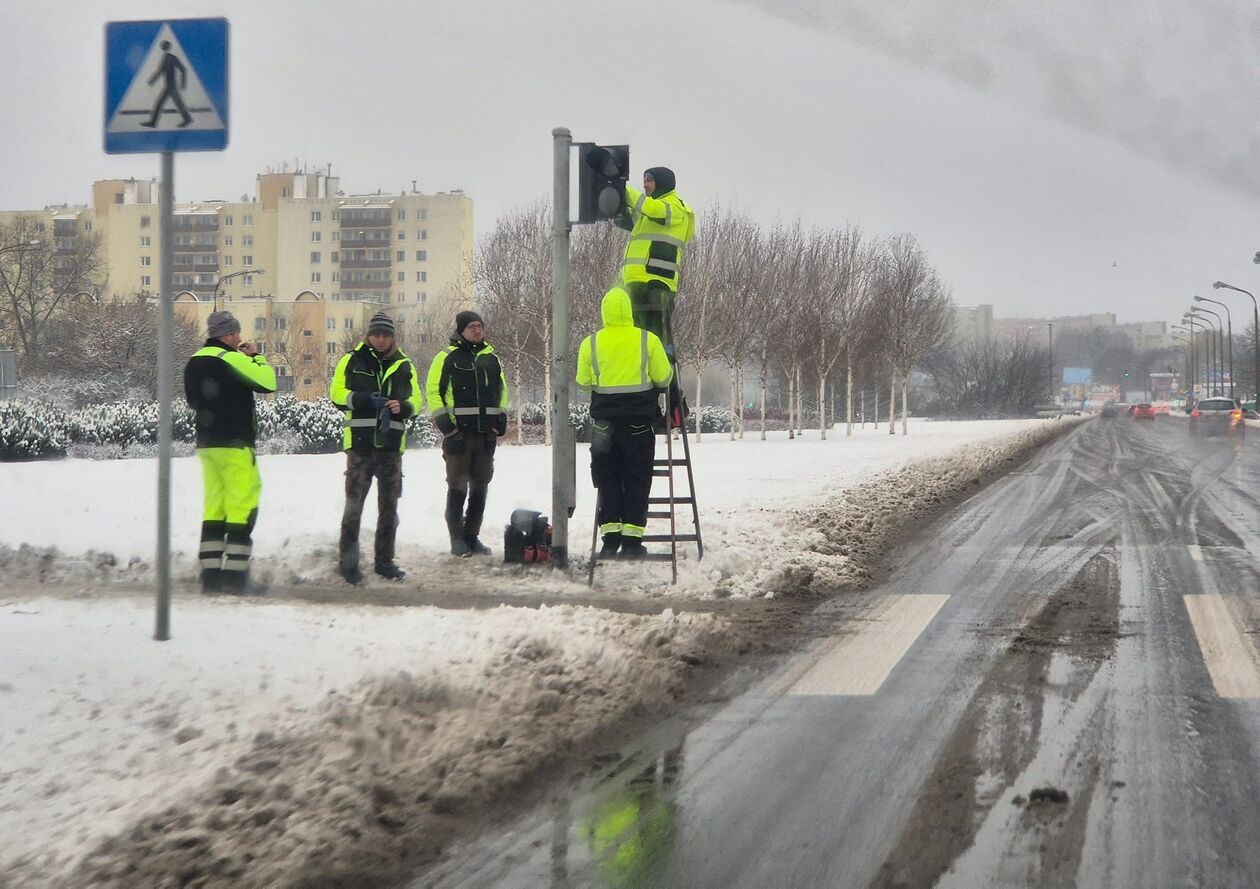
<point>1110,409</point>
<point>1144,411</point>
<point>1164,409</point>
<point>1217,416</point>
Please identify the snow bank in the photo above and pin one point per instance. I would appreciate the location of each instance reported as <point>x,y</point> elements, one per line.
<point>321,741</point>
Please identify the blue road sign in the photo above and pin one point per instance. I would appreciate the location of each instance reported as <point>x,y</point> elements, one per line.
<point>166,86</point>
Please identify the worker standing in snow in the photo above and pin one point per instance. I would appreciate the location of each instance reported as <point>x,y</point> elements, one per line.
<point>660,225</point>
<point>467,393</point>
<point>219,382</point>
<point>623,367</point>
<point>377,387</point>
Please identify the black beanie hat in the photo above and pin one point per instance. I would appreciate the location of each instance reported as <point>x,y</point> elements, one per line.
<point>463,319</point>
<point>381,323</point>
<point>664,178</point>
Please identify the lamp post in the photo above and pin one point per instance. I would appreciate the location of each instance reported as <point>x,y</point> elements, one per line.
<point>1190,377</point>
<point>1217,328</point>
<point>1229,326</point>
<point>219,284</point>
<point>1195,364</point>
<point>1255,330</point>
<point>1185,354</point>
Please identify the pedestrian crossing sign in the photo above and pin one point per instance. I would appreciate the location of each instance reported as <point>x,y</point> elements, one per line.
<point>166,86</point>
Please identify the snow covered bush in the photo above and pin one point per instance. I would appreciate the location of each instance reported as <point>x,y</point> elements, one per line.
<point>70,393</point>
<point>318,425</point>
<point>420,432</point>
<point>712,419</point>
<point>29,431</point>
<point>533,412</point>
<point>126,423</point>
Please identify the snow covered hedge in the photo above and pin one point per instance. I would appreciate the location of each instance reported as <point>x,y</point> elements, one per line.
<point>34,429</point>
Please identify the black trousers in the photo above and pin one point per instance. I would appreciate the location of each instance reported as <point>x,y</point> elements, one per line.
<point>622,450</point>
<point>652,305</point>
<point>469,460</point>
<point>361,467</point>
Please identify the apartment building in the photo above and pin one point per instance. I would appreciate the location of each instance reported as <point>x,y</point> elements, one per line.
<point>301,263</point>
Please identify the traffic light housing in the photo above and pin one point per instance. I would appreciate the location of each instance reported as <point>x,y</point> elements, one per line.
<point>603,171</point>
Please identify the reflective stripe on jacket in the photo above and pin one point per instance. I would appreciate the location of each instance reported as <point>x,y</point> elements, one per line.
<point>219,384</point>
<point>622,365</point>
<point>662,227</point>
<point>466,388</point>
<point>362,373</point>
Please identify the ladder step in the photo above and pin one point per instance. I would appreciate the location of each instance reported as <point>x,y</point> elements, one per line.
<point>666,462</point>
<point>665,538</point>
<point>659,514</point>
<point>668,500</point>
<point>661,473</point>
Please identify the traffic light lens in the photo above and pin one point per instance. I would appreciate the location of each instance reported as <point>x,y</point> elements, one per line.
<point>601,161</point>
<point>609,200</point>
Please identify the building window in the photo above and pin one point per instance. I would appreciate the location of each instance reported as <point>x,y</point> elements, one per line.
<point>144,221</point>
<point>422,255</point>
<point>331,323</point>
<point>332,347</point>
<point>336,277</point>
<point>260,324</point>
<point>146,241</point>
<point>422,276</point>
<point>349,324</point>
<point>336,236</point>
<point>146,281</point>
<point>422,234</point>
<point>306,381</point>
<point>402,297</point>
<point>227,240</point>
<point>424,296</point>
<point>402,255</point>
<point>402,276</point>
<point>281,323</point>
<point>247,240</point>
<point>284,192</point>
<point>247,259</point>
<point>336,216</point>
<point>306,333</point>
<point>87,225</point>
<point>227,260</point>
<point>262,347</point>
<point>402,214</point>
<point>316,216</point>
<point>336,256</point>
<point>314,277</point>
<point>247,279</point>
<point>315,236</point>
<point>402,235</point>
<point>247,220</point>
<point>424,214</point>
<point>146,261</point>
<point>315,256</point>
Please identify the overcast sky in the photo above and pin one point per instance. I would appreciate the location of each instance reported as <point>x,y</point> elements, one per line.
<point>1049,163</point>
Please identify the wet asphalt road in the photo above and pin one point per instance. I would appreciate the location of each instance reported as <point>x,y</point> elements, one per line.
<point>1057,686</point>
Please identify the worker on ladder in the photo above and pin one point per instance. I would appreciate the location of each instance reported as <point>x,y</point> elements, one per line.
<point>660,225</point>
<point>624,367</point>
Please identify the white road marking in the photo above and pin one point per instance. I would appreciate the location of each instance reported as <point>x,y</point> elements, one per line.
<point>859,664</point>
<point>1230,657</point>
<point>1196,551</point>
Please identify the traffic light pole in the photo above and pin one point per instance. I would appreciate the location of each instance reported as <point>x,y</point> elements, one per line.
<point>563,435</point>
<point>166,313</point>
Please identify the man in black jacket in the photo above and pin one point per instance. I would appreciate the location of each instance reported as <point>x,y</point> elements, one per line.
<point>375,384</point>
<point>468,400</point>
<point>219,382</point>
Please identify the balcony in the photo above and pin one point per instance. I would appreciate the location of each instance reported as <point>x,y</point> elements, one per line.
<point>194,248</point>
<point>364,263</point>
<point>378,219</point>
<point>348,243</point>
<point>195,223</point>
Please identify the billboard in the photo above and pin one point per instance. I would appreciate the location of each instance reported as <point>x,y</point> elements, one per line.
<point>1077,376</point>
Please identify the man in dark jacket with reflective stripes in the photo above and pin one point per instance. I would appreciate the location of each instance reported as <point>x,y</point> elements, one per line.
<point>219,382</point>
<point>623,367</point>
<point>468,400</point>
<point>377,387</point>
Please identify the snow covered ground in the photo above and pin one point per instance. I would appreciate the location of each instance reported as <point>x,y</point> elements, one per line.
<point>272,738</point>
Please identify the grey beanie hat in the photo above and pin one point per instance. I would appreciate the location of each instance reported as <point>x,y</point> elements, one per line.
<point>222,323</point>
<point>381,323</point>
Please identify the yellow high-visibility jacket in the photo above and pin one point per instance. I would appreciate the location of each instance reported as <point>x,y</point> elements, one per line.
<point>621,365</point>
<point>662,228</point>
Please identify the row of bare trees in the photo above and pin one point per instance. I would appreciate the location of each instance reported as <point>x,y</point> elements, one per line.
<point>800,309</point>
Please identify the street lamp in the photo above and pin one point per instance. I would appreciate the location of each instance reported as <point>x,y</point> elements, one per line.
<point>1194,362</point>
<point>1255,330</point>
<point>228,277</point>
<point>1229,323</point>
<point>1217,328</point>
<point>1185,353</point>
<point>1190,376</point>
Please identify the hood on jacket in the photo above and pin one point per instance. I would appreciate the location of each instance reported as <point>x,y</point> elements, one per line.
<point>664,178</point>
<point>616,310</point>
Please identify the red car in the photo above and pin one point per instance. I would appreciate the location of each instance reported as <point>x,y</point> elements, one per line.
<point>1144,411</point>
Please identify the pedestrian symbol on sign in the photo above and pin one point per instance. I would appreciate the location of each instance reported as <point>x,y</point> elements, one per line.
<point>165,92</point>
<point>171,66</point>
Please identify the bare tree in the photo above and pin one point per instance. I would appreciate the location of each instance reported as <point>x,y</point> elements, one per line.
<point>778,283</point>
<point>39,275</point>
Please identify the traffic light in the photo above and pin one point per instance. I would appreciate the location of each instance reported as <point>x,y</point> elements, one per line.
<point>603,171</point>
<point>1126,374</point>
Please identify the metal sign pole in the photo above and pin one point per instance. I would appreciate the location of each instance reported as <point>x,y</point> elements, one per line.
<point>563,437</point>
<point>166,201</point>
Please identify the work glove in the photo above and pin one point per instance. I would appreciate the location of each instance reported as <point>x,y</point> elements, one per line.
<point>378,401</point>
<point>500,425</point>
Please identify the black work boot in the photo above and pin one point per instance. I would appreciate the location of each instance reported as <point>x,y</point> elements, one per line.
<point>455,521</point>
<point>351,574</point>
<point>475,546</point>
<point>472,522</point>
<point>389,571</point>
<point>612,543</point>
<point>211,581</point>
<point>632,549</point>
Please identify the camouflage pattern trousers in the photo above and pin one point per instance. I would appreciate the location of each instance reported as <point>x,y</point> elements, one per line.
<point>361,467</point>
